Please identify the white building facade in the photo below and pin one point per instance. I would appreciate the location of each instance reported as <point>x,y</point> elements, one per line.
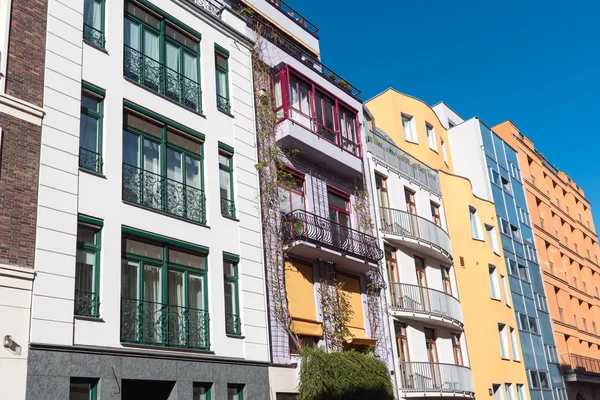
<point>150,280</point>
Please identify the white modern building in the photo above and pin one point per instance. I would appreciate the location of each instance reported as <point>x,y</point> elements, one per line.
<point>149,274</point>
<point>425,317</point>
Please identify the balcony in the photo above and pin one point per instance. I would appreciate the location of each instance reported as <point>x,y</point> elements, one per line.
<point>416,232</point>
<point>156,324</point>
<point>159,193</point>
<point>418,379</point>
<point>385,152</point>
<point>294,16</point>
<point>159,78</point>
<point>578,368</point>
<point>418,302</point>
<point>311,236</point>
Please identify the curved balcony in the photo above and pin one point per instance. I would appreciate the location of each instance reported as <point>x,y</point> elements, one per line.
<point>416,232</point>
<point>312,236</point>
<point>426,379</point>
<point>418,302</point>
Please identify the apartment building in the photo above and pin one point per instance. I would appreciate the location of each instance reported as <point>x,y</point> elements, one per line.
<point>493,167</point>
<point>148,164</point>
<point>22,60</point>
<point>567,246</point>
<point>407,149</point>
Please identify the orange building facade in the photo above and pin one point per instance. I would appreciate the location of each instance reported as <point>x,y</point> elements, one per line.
<point>568,253</point>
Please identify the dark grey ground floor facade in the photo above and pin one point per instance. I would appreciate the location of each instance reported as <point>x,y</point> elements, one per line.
<point>133,375</point>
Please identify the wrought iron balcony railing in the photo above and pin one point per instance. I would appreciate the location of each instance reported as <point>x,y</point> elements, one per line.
<point>577,362</point>
<point>158,77</point>
<point>93,35</point>
<point>87,304</point>
<point>145,322</point>
<point>302,225</point>
<point>160,193</point>
<point>435,377</point>
<point>402,223</point>
<point>385,150</point>
<point>90,160</point>
<point>295,16</point>
<point>227,208</point>
<point>208,6</point>
<point>223,104</point>
<point>233,324</point>
<point>424,300</point>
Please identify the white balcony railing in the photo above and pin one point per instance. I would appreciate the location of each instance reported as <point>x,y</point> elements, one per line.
<point>436,377</point>
<point>426,301</point>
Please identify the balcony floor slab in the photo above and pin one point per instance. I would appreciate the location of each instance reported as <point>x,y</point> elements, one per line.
<point>346,262</point>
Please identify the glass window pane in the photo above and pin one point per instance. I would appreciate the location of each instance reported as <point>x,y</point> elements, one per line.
<point>297,201</point>
<point>143,124</point>
<point>221,83</point>
<point>229,298</point>
<point>151,156</point>
<point>173,57</point>
<point>284,200</point>
<point>196,291</point>
<point>337,201</point>
<point>89,102</point>
<point>174,165</point>
<point>144,15</point>
<point>84,270</point>
<point>176,289</point>
<point>224,159</point>
<point>192,172</point>
<point>200,392</point>
<point>131,152</point>
<point>88,128</point>
<point>181,37</point>
<point>225,184</point>
<point>143,248</point>
<point>228,268</point>
<point>190,67</point>
<point>132,34</point>
<point>152,286</point>
<point>221,60</point>
<point>184,141</point>
<point>79,391</point>
<point>187,259</point>
<point>344,220</point>
<point>129,279</point>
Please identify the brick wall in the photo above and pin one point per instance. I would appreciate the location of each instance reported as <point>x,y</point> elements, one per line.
<point>26,50</point>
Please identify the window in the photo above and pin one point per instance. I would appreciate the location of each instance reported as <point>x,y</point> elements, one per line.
<point>162,166</point>
<point>411,205</point>
<point>491,231</point>
<point>235,392</point>
<point>431,137</point>
<point>514,172</point>
<point>523,273</point>
<point>515,233</point>
<point>161,56</point>
<point>226,181</point>
<point>83,389</point>
<point>93,22</point>
<point>403,353</point>
<point>497,389</point>
<point>222,75</point>
<point>503,341</point>
<point>201,391</point>
<point>444,154</point>
<point>339,207</point>
<point>431,347</point>
<point>521,392</point>
<point>458,359</point>
<point>384,203</point>
<point>408,127</point>
<point>305,341</point>
<point>552,354</point>
<point>87,268</point>
<point>504,226</point>
<point>505,185</point>
<point>514,345</point>
<point>530,253</point>
<point>524,322</point>
<point>233,324</point>
<point>510,394</point>
<point>475,224</point>
<point>534,380</point>
<point>541,302</point>
<point>533,326</point>
<point>90,128</point>
<point>494,287</point>
<point>291,191</point>
<point>506,291</point>
<point>446,280</point>
<point>544,382</point>
<point>495,176</point>
<point>512,267</point>
<point>159,272</point>
<point>435,214</point>
<point>524,216</point>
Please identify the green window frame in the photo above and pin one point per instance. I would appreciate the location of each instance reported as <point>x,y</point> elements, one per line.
<point>164,292</point>
<point>163,165</point>
<point>162,54</point>
<point>233,323</point>
<point>87,267</point>
<point>80,387</point>
<point>93,22</point>
<point>202,391</point>
<point>90,128</point>
<point>226,180</point>
<point>235,392</point>
<point>222,78</point>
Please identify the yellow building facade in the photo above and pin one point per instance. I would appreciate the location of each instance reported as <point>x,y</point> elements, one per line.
<point>490,326</point>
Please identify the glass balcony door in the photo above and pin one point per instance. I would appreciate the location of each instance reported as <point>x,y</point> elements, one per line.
<point>186,297</point>
<point>339,214</point>
<point>184,174</point>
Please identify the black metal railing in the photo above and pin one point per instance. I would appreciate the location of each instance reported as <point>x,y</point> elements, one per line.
<point>93,35</point>
<point>424,300</point>
<point>160,193</point>
<point>90,160</point>
<point>435,377</point>
<point>158,77</point>
<point>402,223</point>
<point>302,225</point>
<point>295,16</point>
<point>577,362</point>
<point>233,324</point>
<point>145,322</point>
<point>223,104</point>
<point>227,208</point>
<point>87,304</point>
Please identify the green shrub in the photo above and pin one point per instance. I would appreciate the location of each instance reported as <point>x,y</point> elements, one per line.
<point>346,375</point>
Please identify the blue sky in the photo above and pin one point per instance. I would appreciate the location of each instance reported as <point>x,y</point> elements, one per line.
<point>531,61</point>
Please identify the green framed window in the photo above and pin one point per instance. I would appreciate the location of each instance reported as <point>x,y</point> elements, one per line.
<point>162,54</point>
<point>87,267</point>
<point>222,76</point>
<point>163,166</point>
<point>233,323</point>
<point>93,22</point>
<point>235,392</point>
<point>201,391</point>
<point>83,389</point>
<point>163,294</point>
<point>90,128</point>
<point>226,180</point>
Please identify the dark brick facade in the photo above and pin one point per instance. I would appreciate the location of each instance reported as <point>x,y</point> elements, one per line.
<point>20,153</point>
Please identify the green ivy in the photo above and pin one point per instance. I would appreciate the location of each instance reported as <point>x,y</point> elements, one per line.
<point>347,375</point>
